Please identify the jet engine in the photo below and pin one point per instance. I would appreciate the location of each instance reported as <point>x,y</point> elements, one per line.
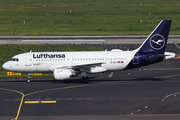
<point>62,74</point>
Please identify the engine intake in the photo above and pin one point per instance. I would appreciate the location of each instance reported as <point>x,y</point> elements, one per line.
<point>62,74</point>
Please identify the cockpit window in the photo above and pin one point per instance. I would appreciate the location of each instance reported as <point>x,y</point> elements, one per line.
<point>14,59</point>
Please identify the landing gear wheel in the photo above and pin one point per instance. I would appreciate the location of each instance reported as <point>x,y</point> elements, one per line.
<point>85,79</point>
<point>28,80</point>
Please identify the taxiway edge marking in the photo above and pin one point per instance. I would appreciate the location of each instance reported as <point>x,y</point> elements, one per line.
<point>171,94</point>
<point>22,98</point>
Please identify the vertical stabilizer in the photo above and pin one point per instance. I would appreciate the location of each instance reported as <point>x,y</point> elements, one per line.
<point>153,49</point>
<point>157,40</point>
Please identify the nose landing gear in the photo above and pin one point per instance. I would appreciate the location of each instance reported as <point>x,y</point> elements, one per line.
<point>29,78</point>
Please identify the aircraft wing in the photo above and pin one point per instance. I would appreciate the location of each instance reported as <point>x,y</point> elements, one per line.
<point>76,65</point>
<point>87,64</point>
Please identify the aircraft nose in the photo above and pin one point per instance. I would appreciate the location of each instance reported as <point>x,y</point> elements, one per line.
<point>5,66</point>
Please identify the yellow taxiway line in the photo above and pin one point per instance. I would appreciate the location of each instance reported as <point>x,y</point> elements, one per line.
<point>34,102</point>
<point>177,45</point>
<point>24,95</point>
<point>161,69</point>
<point>48,101</point>
<point>31,102</point>
<point>22,98</point>
<point>167,76</point>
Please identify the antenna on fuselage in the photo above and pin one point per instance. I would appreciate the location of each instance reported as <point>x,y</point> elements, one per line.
<point>30,51</point>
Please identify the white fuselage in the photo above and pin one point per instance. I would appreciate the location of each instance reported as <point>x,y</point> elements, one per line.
<point>47,61</point>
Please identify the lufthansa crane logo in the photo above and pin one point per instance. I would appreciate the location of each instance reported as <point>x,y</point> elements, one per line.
<point>157,42</point>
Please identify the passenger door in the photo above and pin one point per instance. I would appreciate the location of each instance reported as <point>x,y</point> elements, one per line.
<point>28,60</point>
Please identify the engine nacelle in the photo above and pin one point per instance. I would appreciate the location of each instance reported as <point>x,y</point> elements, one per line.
<point>62,74</point>
<point>97,69</point>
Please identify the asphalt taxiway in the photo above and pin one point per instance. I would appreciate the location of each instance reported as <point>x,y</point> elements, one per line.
<point>150,92</point>
<point>134,93</point>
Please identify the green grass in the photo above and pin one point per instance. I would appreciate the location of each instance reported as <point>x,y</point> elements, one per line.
<point>8,51</point>
<point>88,17</point>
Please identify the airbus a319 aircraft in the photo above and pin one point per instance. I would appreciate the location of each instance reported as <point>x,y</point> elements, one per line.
<point>65,65</point>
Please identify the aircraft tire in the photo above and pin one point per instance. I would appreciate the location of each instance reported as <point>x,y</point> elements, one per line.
<point>28,80</point>
<point>85,79</point>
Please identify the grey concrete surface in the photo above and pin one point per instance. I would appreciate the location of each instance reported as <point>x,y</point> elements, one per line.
<point>80,39</point>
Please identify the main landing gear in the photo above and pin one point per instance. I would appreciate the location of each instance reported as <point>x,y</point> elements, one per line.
<point>29,78</point>
<point>85,79</point>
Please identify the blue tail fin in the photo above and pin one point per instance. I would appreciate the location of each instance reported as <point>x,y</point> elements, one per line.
<point>157,40</point>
